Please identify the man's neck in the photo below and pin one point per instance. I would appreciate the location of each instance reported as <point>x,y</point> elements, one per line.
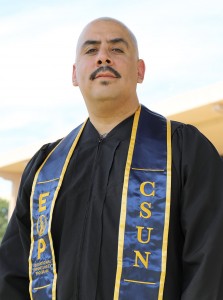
<point>105,120</point>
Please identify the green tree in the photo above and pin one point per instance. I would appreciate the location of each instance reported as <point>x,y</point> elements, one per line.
<point>4,207</point>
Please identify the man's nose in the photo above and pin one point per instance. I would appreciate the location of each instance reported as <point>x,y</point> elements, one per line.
<point>104,58</point>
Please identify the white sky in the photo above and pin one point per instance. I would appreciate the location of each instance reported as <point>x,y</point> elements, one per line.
<point>180,41</point>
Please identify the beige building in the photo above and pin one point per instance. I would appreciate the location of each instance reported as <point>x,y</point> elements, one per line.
<point>202,108</point>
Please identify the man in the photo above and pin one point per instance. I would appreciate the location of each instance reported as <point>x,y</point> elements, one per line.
<point>127,206</point>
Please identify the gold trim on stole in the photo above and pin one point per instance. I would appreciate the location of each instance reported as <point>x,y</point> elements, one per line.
<point>124,204</point>
<point>167,211</point>
<point>51,212</point>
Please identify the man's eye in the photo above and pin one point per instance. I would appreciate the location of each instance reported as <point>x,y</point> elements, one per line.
<point>118,50</point>
<point>91,51</point>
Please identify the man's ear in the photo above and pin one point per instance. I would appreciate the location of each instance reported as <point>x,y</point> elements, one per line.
<point>74,77</point>
<point>141,70</point>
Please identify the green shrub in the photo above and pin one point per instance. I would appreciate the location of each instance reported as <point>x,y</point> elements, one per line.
<point>4,207</point>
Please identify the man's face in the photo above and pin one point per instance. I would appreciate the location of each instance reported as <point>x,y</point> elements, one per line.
<point>107,64</point>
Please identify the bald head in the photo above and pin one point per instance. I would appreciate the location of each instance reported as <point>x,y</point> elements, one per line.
<point>107,67</point>
<point>128,37</point>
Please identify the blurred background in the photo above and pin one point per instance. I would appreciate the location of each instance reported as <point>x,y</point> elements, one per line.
<point>180,41</point>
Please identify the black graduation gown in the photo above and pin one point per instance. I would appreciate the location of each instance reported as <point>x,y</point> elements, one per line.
<point>86,220</point>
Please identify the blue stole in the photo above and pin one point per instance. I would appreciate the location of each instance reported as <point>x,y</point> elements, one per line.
<point>144,217</point>
<point>145,210</point>
<point>46,186</point>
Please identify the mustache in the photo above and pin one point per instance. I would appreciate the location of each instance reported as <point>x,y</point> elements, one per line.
<point>104,69</point>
